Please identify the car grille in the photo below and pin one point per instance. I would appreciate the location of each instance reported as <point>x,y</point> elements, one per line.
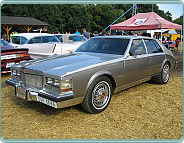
<point>35,81</point>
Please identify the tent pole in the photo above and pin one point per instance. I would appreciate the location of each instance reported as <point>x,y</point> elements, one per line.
<point>161,34</point>
<point>181,41</point>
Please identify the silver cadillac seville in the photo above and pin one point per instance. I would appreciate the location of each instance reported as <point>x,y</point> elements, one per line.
<point>98,68</point>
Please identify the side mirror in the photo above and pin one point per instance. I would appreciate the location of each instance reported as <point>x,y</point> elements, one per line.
<point>138,52</point>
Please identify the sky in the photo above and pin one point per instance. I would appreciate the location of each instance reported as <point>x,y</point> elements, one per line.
<point>175,9</point>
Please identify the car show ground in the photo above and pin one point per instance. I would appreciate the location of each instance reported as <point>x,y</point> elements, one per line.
<point>146,111</point>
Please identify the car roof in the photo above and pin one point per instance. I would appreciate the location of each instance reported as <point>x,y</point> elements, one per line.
<point>124,37</point>
<point>31,35</point>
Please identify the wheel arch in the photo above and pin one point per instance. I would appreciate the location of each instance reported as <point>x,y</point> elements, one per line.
<point>102,73</point>
<point>166,61</point>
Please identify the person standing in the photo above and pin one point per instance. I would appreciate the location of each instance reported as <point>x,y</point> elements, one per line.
<point>96,33</point>
<point>77,32</point>
<point>86,34</point>
<point>44,30</point>
<point>13,33</point>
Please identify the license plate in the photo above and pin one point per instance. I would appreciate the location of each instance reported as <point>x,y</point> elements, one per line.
<point>46,101</point>
<point>21,93</point>
<point>8,65</point>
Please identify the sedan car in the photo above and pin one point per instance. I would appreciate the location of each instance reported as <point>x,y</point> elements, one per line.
<point>70,42</point>
<point>98,68</point>
<point>10,55</point>
<point>39,44</point>
<point>44,44</point>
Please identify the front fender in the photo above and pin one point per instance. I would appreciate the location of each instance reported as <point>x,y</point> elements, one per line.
<point>95,76</point>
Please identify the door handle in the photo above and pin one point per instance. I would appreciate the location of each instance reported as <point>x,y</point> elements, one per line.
<point>148,58</point>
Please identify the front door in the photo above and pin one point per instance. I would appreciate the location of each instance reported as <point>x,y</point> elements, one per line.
<point>137,67</point>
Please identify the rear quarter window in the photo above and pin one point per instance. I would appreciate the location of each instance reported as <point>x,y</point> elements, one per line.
<point>152,46</point>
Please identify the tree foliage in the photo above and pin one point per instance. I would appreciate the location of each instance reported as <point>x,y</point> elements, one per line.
<point>68,17</point>
<point>179,20</point>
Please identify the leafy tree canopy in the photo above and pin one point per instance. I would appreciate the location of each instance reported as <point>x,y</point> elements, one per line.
<point>68,17</point>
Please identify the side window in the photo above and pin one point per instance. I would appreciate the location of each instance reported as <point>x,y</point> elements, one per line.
<point>60,38</point>
<point>158,46</point>
<point>15,39</point>
<point>137,44</point>
<point>46,39</point>
<point>35,40</point>
<point>151,46</point>
<point>23,40</point>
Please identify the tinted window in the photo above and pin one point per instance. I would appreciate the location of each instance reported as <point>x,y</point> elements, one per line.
<point>60,37</point>
<point>43,39</point>
<point>76,38</point>
<point>157,46</point>
<point>15,39</point>
<point>105,45</point>
<point>23,40</point>
<point>137,45</point>
<point>151,46</point>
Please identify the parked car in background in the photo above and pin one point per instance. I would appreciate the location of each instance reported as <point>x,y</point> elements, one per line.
<point>10,55</point>
<point>70,42</point>
<point>39,44</point>
<point>44,44</point>
<point>100,67</point>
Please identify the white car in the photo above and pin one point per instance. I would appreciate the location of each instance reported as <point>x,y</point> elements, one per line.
<point>70,42</point>
<point>41,44</point>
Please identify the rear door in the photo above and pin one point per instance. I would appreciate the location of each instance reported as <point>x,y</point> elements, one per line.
<point>40,45</point>
<point>156,54</point>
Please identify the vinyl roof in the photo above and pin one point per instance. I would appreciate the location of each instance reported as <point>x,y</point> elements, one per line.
<point>28,21</point>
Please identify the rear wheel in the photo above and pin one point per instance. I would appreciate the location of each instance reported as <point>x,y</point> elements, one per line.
<point>98,95</point>
<point>163,77</point>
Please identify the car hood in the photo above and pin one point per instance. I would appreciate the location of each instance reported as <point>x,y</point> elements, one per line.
<point>60,65</point>
<point>7,48</point>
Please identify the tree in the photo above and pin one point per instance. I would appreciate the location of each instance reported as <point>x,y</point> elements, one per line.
<point>179,20</point>
<point>102,15</point>
<point>68,17</point>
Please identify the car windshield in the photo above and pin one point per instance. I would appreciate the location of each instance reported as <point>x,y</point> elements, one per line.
<point>105,45</point>
<point>4,43</point>
<point>76,38</point>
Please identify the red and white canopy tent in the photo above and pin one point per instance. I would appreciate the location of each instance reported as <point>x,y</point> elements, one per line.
<point>146,21</point>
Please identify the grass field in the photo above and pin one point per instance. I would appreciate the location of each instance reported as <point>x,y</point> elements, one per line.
<point>146,111</point>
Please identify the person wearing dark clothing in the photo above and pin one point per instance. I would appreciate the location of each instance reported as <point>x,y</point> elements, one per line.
<point>44,30</point>
<point>86,34</point>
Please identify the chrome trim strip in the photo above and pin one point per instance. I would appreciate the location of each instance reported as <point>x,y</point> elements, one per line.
<point>123,87</point>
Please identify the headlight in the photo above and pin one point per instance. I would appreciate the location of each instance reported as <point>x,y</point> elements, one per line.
<point>57,83</point>
<point>49,80</point>
<point>18,73</point>
<point>15,72</point>
<point>66,85</point>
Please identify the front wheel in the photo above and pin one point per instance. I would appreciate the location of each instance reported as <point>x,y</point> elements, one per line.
<point>163,77</point>
<point>98,95</point>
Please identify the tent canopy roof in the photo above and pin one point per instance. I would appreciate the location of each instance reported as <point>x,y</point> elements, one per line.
<point>9,20</point>
<point>145,21</point>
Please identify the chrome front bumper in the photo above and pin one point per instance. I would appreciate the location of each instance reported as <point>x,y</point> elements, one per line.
<point>45,97</point>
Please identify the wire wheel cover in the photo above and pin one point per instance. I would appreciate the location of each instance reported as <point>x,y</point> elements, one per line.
<point>165,73</point>
<point>101,94</point>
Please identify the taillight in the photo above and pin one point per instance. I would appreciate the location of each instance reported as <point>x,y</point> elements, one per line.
<point>24,55</point>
